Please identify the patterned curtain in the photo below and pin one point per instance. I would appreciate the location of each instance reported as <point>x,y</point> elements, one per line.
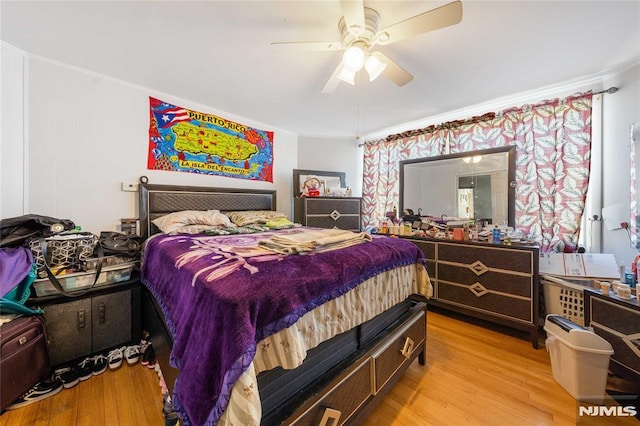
<point>553,147</point>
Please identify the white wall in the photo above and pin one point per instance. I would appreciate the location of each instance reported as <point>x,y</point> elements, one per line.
<point>12,149</point>
<point>619,111</point>
<point>333,155</point>
<point>88,133</point>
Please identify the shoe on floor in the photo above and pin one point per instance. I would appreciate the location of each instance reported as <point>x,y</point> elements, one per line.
<point>114,358</point>
<point>170,415</point>
<point>85,368</point>
<point>144,344</point>
<point>99,364</point>
<point>132,354</point>
<point>149,358</point>
<point>67,376</point>
<point>41,390</point>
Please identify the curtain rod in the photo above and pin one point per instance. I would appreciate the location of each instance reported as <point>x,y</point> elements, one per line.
<point>610,91</point>
<point>484,117</point>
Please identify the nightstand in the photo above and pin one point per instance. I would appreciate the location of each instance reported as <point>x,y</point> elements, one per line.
<point>105,317</point>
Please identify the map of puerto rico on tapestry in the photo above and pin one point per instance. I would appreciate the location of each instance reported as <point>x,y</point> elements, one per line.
<point>189,141</point>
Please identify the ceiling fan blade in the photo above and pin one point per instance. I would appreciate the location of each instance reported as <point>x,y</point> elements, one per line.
<point>353,12</point>
<point>443,16</point>
<point>393,71</point>
<point>306,45</point>
<point>333,81</point>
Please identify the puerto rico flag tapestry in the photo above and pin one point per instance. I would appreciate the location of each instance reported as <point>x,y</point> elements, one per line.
<point>183,140</point>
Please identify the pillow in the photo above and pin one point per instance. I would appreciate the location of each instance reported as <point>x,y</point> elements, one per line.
<point>200,229</point>
<point>172,221</point>
<point>243,218</point>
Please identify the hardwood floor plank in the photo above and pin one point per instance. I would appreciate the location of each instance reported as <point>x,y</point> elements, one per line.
<point>91,409</point>
<point>478,376</point>
<point>474,376</point>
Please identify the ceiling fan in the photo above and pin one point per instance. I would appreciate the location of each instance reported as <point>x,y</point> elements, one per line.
<point>359,27</point>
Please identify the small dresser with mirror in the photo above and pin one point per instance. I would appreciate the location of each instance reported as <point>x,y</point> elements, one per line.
<point>329,207</point>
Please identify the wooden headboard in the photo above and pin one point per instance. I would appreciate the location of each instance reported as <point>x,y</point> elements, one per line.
<point>158,200</point>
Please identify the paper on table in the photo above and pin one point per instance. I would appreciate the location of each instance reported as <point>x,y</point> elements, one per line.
<point>601,265</point>
<point>595,265</point>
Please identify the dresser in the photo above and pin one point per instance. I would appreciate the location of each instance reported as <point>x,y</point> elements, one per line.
<point>493,282</point>
<point>328,212</point>
<point>618,322</point>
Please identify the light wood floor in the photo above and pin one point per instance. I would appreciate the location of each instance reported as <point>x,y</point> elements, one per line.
<point>473,376</point>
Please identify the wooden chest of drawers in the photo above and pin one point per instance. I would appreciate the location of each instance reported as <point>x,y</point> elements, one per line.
<point>498,283</point>
<point>328,212</point>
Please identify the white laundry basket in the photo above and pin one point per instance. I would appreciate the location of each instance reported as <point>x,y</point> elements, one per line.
<point>565,297</point>
<point>579,358</point>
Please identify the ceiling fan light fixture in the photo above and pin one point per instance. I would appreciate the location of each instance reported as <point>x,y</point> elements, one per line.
<point>347,76</point>
<point>353,58</point>
<point>374,67</point>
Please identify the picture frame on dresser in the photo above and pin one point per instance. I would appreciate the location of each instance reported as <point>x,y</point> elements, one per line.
<point>328,179</point>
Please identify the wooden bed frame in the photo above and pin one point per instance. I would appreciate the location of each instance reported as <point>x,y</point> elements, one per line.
<point>342,379</point>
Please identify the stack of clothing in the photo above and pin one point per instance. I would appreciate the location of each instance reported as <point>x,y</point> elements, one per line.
<point>314,240</point>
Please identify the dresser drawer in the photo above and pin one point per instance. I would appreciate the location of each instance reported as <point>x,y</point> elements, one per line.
<point>325,206</point>
<point>508,306</point>
<point>349,223</point>
<point>620,326</point>
<point>493,281</point>
<point>398,349</point>
<point>341,401</point>
<point>487,257</point>
<point>428,248</point>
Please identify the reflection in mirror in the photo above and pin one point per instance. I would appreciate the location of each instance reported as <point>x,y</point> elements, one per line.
<point>472,185</point>
<point>635,172</point>
<point>324,180</point>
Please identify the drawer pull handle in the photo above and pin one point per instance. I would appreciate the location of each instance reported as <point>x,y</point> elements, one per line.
<point>102,313</point>
<point>478,289</point>
<point>478,268</point>
<point>407,348</point>
<point>330,417</point>
<point>81,319</point>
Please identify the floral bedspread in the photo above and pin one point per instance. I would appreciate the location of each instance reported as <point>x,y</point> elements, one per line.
<point>221,295</point>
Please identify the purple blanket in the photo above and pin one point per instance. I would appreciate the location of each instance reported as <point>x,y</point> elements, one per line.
<point>221,295</point>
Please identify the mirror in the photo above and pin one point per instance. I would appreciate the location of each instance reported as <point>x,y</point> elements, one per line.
<point>478,185</point>
<point>635,183</point>
<point>322,180</point>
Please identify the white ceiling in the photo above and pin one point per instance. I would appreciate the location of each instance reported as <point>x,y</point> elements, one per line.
<point>218,53</point>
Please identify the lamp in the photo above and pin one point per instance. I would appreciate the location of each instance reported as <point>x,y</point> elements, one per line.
<point>347,76</point>
<point>374,67</point>
<point>354,57</point>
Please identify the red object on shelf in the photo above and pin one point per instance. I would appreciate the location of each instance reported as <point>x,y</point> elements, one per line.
<point>634,265</point>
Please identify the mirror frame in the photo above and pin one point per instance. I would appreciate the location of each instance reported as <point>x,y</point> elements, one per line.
<point>634,145</point>
<point>511,174</point>
<point>298,174</point>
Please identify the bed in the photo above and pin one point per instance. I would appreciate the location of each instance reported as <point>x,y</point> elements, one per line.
<point>250,335</point>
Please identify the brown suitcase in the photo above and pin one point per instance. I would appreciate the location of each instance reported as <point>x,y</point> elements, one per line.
<point>24,357</point>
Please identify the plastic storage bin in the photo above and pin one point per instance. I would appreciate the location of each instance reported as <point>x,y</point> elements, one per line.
<point>82,280</point>
<point>579,358</point>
